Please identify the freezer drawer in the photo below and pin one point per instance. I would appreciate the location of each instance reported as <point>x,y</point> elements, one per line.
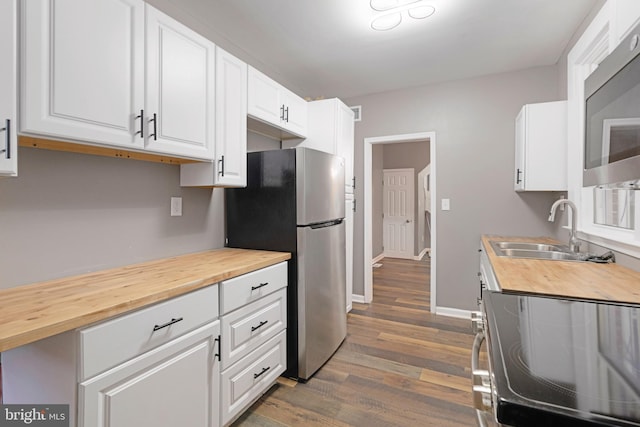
<point>322,319</point>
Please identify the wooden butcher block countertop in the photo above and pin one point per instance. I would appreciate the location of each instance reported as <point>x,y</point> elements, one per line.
<point>583,280</point>
<point>40,310</point>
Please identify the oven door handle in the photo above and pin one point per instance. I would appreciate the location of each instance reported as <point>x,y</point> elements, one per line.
<point>481,388</point>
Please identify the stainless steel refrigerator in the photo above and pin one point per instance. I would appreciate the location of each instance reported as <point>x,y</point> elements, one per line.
<point>294,202</point>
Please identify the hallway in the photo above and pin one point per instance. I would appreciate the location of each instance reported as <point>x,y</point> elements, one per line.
<point>399,365</point>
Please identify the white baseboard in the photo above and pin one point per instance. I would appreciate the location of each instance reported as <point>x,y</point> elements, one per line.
<point>453,312</point>
<point>378,258</point>
<point>358,298</point>
<point>422,254</point>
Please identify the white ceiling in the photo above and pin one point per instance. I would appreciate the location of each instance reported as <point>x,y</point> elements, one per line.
<point>326,48</point>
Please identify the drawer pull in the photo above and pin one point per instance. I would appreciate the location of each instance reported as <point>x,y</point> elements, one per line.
<point>255,328</point>
<point>261,285</point>
<point>173,320</point>
<point>255,376</point>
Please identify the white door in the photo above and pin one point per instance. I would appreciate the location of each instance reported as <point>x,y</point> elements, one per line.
<point>8,82</point>
<point>231,120</point>
<point>295,115</point>
<point>180,88</point>
<point>174,385</point>
<point>398,209</point>
<point>264,98</point>
<point>82,73</point>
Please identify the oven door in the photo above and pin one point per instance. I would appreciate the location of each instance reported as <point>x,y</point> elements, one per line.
<point>482,388</point>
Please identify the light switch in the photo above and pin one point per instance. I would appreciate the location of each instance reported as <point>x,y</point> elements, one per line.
<point>446,204</point>
<point>176,206</point>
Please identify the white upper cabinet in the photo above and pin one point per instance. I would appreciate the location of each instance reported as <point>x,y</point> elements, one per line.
<point>231,120</point>
<point>84,79</point>
<point>541,147</point>
<point>83,70</point>
<point>627,16</point>
<point>271,103</point>
<point>8,88</point>
<point>180,88</point>
<point>330,129</point>
<point>230,166</point>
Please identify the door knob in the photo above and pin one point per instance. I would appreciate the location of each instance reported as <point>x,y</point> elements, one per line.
<point>408,221</point>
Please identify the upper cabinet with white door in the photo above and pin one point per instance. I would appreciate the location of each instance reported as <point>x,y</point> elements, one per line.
<point>180,88</point>
<point>83,70</point>
<point>230,166</point>
<point>626,17</point>
<point>8,88</point>
<point>271,103</point>
<point>84,79</point>
<point>541,147</point>
<point>331,129</point>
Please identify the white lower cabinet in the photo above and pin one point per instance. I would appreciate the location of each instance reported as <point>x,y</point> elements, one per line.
<point>172,385</point>
<point>253,345</point>
<point>174,363</point>
<point>248,379</point>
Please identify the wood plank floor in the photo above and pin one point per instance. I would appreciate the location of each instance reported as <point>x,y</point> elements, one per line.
<point>399,365</point>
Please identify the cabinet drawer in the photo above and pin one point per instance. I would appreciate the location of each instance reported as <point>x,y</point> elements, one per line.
<point>249,287</point>
<point>248,379</point>
<point>252,325</point>
<point>109,343</point>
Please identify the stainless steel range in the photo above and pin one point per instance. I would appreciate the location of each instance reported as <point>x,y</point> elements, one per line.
<point>557,362</point>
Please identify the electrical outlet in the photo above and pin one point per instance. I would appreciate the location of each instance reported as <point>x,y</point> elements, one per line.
<point>176,206</point>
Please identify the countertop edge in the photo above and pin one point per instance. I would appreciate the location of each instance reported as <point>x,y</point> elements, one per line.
<point>562,279</point>
<point>31,333</point>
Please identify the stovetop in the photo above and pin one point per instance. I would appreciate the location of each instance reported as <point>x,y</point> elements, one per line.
<point>564,362</point>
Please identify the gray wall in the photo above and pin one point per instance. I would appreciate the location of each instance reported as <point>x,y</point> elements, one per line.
<point>398,156</point>
<point>67,214</point>
<point>474,124</point>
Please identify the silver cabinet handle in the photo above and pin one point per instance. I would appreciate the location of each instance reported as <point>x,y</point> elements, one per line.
<point>7,130</point>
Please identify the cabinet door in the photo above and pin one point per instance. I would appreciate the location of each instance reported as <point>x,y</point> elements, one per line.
<point>345,135</point>
<point>174,385</point>
<point>82,70</point>
<point>231,120</point>
<point>521,130</point>
<point>295,114</point>
<point>263,98</point>
<point>349,210</point>
<point>8,82</point>
<point>180,88</point>
<point>627,16</point>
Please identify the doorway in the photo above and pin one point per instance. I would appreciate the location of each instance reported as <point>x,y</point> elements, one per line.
<point>368,207</point>
<point>398,213</point>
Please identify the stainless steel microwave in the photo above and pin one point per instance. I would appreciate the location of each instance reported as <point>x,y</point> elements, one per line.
<point>612,116</point>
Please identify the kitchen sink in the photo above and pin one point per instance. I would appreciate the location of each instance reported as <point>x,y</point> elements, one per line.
<point>528,246</point>
<point>535,251</point>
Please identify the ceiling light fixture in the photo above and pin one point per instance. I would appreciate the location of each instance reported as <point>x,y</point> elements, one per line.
<point>392,11</point>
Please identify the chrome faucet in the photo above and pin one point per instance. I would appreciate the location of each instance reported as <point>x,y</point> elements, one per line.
<point>574,244</point>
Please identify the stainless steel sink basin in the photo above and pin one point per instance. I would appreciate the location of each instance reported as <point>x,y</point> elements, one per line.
<point>528,246</point>
<point>553,255</point>
<point>535,251</point>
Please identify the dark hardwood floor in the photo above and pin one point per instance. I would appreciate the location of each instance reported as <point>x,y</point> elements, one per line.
<point>400,365</point>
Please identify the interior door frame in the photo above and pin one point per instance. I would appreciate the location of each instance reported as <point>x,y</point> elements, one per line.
<point>413,210</point>
<point>368,207</point>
